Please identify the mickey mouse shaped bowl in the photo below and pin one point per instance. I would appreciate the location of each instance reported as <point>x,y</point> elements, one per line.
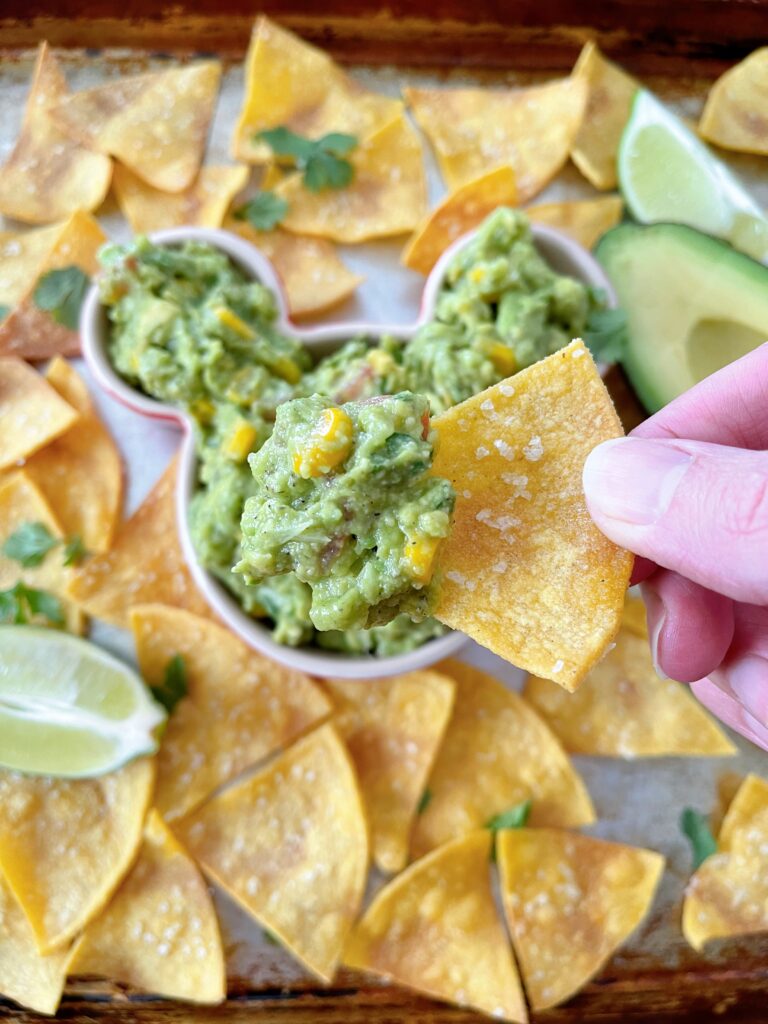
<point>563,255</point>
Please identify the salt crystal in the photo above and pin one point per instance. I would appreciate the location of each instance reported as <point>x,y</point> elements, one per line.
<point>534,449</point>
<point>481,452</point>
<point>505,450</point>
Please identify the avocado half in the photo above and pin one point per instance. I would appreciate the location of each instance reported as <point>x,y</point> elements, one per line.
<point>693,304</point>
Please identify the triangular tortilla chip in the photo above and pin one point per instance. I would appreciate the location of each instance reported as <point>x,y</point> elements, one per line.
<point>496,753</point>
<point>65,844</point>
<point>32,414</point>
<point>570,902</point>
<point>240,707</point>
<point>583,220</point>
<point>145,564</point>
<point>393,728</point>
<point>203,204</point>
<point>734,114</point>
<point>475,130</point>
<point>634,618</point>
<point>435,928</point>
<point>387,196</point>
<point>458,213</point>
<point>525,571</point>
<point>728,894</point>
<point>159,932</point>
<point>290,83</point>
<point>610,95</point>
<point>290,845</point>
<point>156,123</point>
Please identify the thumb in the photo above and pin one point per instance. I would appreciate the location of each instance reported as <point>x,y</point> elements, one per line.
<point>700,509</point>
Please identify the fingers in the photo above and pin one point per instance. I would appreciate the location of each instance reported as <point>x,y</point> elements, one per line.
<point>641,570</point>
<point>720,701</point>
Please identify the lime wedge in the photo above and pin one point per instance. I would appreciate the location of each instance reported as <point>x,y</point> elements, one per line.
<point>666,173</point>
<point>67,708</point>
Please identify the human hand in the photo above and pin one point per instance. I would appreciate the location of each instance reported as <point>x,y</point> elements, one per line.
<point>687,491</point>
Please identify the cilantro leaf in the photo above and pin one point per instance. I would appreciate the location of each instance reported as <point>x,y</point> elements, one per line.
<point>338,143</point>
<point>174,685</point>
<point>74,551</point>
<point>513,817</point>
<point>283,142</point>
<point>20,603</point>
<point>321,160</point>
<point>424,802</point>
<point>40,602</point>
<point>29,544</point>
<point>270,937</point>
<point>695,826</point>
<point>606,334</point>
<point>61,293</point>
<point>324,170</point>
<point>4,311</point>
<point>264,211</point>
<point>11,609</point>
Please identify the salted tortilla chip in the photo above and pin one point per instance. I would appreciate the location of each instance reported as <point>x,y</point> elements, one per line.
<point>634,617</point>
<point>476,130</point>
<point>525,571</point>
<point>583,220</point>
<point>290,83</point>
<point>734,115</point>
<point>728,894</point>
<point>159,932</point>
<point>239,707</point>
<point>32,414</point>
<point>435,928</point>
<point>290,845</point>
<point>609,99</point>
<point>495,754</point>
<point>65,844</point>
<point>392,728</point>
<point>156,124</point>
<point>458,213</point>
<point>387,196</point>
<point>728,784</point>
<point>145,564</point>
<point>203,204</point>
<point>570,902</point>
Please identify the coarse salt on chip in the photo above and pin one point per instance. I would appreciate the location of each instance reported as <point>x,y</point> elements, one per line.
<point>392,728</point>
<point>48,176</point>
<point>525,571</point>
<point>435,928</point>
<point>156,123</point>
<point>65,844</point>
<point>496,753</point>
<point>239,706</point>
<point>32,413</point>
<point>734,115</point>
<point>203,204</point>
<point>584,220</point>
<point>290,83</point>
<point>475,130</point>
<point>290,845</point>
<point>159,933</point>
<point>728,894</point>
<point>387,196</point>
<point>570,902</point>
<point>460,211</point>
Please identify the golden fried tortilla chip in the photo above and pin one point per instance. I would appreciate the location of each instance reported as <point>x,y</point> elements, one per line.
<point>32,414</point>
<point>728,894</point>
<point>525,571</point>
<point>570,902</point>
<point>609,99</point>
<point>145,564</point>
<point>392,728</point>
<point>159,932</point>
<point>583,220</point>
<point>476,130</point>
<point>458,213</point>
<point>203,204</point>
<point>734,115</point>
<point>239,707</point>
<point>435,928</point>
<point>496,753</point>
<point>65,844</point>
<point>634,618</point>
<point>290,83</point>
<point>290,845</point>
<point>387,196</point>
<point>156,123</point>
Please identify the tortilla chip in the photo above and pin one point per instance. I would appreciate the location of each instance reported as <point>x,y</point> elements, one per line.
<point>203,204</point>
<point>290,83</point>
<point>156,123</point>
<point>728,894</point>
<point>387,196</point>
<point>458,213</point>
<point>734,115</point>
<point>145,564</point>
<point>496,753</point>
<point>65,844</point>
<point>525,571</point>
<point>728,784</point>
<point>570,902</point>
<point>435,928</point>
<point>290,845</point>
<point>239,707</point>
<point>31,412</point>
<point>476,130</point>
<point>583,220</point>
<point>610,95</point>
<point>313,275</point>
<point>159,932</point>
<point>634,618</point>
<point>392,728</point>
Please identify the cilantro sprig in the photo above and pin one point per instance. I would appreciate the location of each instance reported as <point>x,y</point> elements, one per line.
<point>264,211</point>
<point>20,603</point>
<point>695,826</point>
<point>514,817</point>
<point>174,685</point>
<point>74,551</point>
<point>424,802</point>
<point>29,544</point>
<point>61,293</point>
<point>322,160</point>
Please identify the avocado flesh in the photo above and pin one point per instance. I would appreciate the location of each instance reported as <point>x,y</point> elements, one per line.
<point>693,304</point>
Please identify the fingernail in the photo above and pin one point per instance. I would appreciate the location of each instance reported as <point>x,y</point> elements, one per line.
<point>657,617</point>
<point>747,680</point>
<point>632,479</point>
